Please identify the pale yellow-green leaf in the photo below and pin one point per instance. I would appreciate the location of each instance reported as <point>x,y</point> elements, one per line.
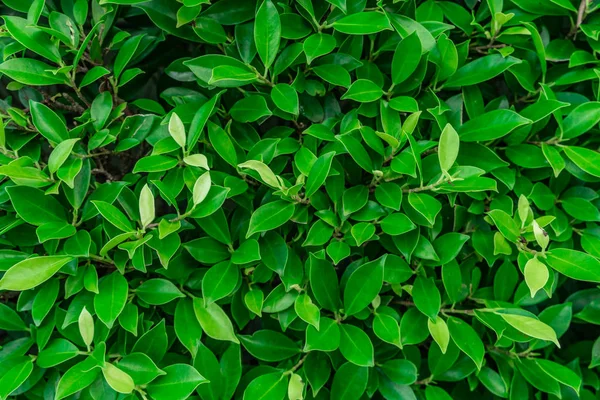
<point>177,130</point>
<point>201,188</point>
<point>146,205</point>
<point>117,379</point>
<point>86,326</point>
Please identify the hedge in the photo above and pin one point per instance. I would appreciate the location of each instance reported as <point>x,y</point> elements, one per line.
<point>299,199</point>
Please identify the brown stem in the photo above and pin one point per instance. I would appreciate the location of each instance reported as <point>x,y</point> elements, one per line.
<point>100,171</point>
<point>580,16</point>
<point>482,49</point>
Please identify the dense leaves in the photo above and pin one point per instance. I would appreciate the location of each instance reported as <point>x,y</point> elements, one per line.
<point>299,199</point>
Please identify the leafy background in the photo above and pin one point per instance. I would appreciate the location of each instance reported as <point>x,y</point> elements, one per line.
<point>300,199</point>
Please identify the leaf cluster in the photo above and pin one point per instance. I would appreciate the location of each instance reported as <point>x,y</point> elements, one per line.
<point>299,199</point>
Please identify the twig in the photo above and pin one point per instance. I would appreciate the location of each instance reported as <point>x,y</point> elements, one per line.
<point>580,16</point>
<point>433,186</point>
<point>298,365</point>
<point>100,171</point>
<point>482,49</point>
<point>509,353</point>
<point>425,381</point>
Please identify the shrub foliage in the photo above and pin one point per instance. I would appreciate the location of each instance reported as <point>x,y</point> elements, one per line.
<point>300,199</point>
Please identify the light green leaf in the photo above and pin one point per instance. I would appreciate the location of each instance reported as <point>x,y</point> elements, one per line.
<point>32,272</point>
<point>267,32</point>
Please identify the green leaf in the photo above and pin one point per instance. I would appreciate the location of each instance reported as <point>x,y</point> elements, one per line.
<point>120,381</point>
<point>268,386</point>
<point>505,224</point>
<point>389,194</point>
<point>362,23</point>
<point>363,285</point>
<point>326,338</point>
<point>574,264</point>
<point>324,283</point>
<point>397,224</point>
<point>561,373</point>
<point>93,75</point>
<point>77,378</point>
<point>57,352</point>
<point>199,121</point>
<point>318,173</point>
<point>363,91</point>
<point>356,151</point>
<point>60,154</point>
<point>250,109</point>
<point>154,342</point>
<point>554,158</point>
<point>334,74</point>
<point>48,123</point>
<point>267,32</point>
<point>270,216</point>
<point>286,98</point>
<point>480,70</point>
<point>222,144</point>
<point>266,174</point>
<point>140,368</point>
<point>307,311</point>
<point>492,125</point>
<point>427,297</point>
<point>201,188</point>
<point>586,159</point>
<point>209,30</point>
<point>387,329</point>
<point>154,164</point>
<point>425,205</point>
<point>10,320</point>
<point>231,76</point>
<point>158,291</point>
<point>220,281</point>
<point>580,120</point>
<point>32,272</point>
<point>448,147</point>
<point>34,207</point>
<point>86,326</point>
<point>536,275</point>
<point>465,337</point>
<point>254,300</point>
<point>187,327</point>
<point>350,382</point>
<point>356,346</point>
<point>403,66</point>
<point>146,206</point>
<point>179,381</point>
<point>215,323</point>
<point>100,110</point>
<point>31,72</point>
<point>531,327</point>
<point>15,377</point>
<point>440,332</point>
<point>126,53</point>
<point>111,298</point>
<point>177,130</point>
<point>270,346</point>
<point>362,232</point>
<point>318,45</point>
<point>32,38</point>
<point>113,215</point>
